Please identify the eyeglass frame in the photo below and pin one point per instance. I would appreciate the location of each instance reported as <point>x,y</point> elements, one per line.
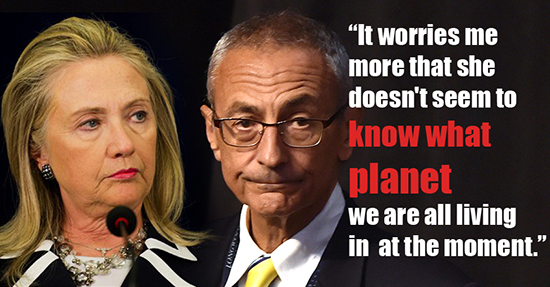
<point>326,123</point>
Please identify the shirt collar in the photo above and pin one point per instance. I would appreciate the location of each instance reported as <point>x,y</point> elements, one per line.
<point>297,258</point>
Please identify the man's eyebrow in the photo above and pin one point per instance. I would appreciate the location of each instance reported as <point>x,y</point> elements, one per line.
<point>303,99</point>
<point>241,107</point>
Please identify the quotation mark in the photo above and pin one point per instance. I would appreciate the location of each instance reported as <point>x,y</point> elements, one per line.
<point>352,27</point>
<point>541,238</point>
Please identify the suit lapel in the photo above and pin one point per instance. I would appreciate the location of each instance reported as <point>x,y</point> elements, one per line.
<point>161,264</point>
<point>55,276</point>
<point>212,254</point>
<point>45,268</point>
<point>336,267</point>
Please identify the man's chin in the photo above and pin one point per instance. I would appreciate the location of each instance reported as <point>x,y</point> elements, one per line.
<point>272,204</point>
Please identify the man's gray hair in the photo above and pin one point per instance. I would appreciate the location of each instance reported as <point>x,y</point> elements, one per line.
<point>284,29</point>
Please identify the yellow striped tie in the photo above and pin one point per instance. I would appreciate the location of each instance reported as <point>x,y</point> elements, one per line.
<point>261,274</point>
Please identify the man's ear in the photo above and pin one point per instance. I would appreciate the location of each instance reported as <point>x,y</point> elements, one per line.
<point>350,114</point>
<point>211,134</point>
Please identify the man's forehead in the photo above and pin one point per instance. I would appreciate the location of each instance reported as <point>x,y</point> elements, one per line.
<point>274,69</point>
<point>271,47</point>
<point>270,59</point>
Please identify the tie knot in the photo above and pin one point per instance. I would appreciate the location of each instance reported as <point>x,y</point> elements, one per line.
<point>262,273</point>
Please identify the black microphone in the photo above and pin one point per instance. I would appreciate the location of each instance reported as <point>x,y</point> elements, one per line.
<point>121,222</point>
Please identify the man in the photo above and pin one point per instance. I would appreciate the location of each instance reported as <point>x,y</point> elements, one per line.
<point>277,122</point>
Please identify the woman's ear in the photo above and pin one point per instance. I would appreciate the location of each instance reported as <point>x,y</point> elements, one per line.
<point>38,154</point>
<point>41,159</point>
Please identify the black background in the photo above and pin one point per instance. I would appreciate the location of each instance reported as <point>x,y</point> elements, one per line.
<point>512,172</point>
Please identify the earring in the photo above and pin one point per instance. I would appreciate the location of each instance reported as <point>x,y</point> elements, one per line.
<point>47,173</point>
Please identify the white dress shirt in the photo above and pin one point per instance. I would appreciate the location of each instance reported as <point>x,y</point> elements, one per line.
<point>295,259</point>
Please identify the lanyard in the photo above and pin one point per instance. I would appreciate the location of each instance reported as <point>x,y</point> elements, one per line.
<point>230,258</point>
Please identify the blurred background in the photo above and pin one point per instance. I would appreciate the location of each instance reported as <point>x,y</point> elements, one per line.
<point>513,172</point>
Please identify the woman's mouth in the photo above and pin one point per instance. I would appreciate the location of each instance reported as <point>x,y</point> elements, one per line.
<point>124,173</point>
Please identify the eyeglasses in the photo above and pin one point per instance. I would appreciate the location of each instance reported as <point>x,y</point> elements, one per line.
<point>296,132</point>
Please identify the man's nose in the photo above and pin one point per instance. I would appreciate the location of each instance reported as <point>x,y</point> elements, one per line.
<point>271,150</point>
<point>121,143</point>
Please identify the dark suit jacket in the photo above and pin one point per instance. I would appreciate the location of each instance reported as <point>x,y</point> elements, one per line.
<point>336,267</point>
<point>150,267</point>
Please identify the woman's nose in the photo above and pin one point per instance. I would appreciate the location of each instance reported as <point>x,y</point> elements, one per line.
<point>121,143</point>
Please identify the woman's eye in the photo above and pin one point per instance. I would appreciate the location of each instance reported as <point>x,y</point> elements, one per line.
<point>90,124</point>
<point>140,116</point>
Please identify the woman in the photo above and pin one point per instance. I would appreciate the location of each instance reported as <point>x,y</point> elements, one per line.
<point>89,125</point>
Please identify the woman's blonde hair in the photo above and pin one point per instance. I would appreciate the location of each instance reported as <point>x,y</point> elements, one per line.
<point>25,107</point>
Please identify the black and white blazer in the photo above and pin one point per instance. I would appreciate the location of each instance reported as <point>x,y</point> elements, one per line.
<point>158,265</point>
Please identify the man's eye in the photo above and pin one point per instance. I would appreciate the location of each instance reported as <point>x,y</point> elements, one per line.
<point>243,124</point>
<point>300,122</point>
